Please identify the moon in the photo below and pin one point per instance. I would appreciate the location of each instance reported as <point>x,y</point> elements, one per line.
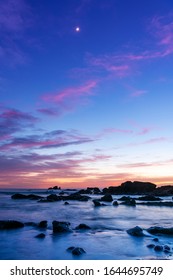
<point>77,29</point>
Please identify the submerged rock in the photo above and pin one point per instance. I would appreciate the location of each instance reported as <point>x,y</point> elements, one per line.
<point>130,202</point>
<point>40,235</point>
<point>10,224</point>
<point>158,248</point>
<point>61,227</point>
<point>160,230</point>
<point>82,226</point>
<point>24,196</point>
<point>150,246</point>
<point>97,203</point>
<point>149,198</point>
<point>107,198</point>
<point>115,203</point>
<point>77,251</point>
<point>42,224</point>
<point>136,231</point>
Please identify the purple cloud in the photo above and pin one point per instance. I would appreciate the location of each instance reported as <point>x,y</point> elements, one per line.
<point>12,121</point>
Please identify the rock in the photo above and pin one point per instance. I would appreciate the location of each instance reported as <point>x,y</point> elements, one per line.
<point>129,187</point>
<point>70,248</point>
<point>115,203</point>
<point>157,203</point>
<point>130,202</point>
<point>158,248</point>
<point>53,197</point>
<point>23,196</point>
<point>160,230</point>
<point>76,196</point>
<point>149,198</point>
<point>156,239</point>
<point>40,235</point>
<point>167,248</point>
<point>97,203</point>
<point>61,227</point>
<point>54,188</point>
<point>125,198</point>
<point>66,203</point>
<point>136,231</point>
<point>107,198</point>
<point>164,191</point>
<point>82,226</point>
<point>42,224</point>
<point>78,251</point>
<point>10,224</point>
<point>151,246</point>
<point>19,196</point>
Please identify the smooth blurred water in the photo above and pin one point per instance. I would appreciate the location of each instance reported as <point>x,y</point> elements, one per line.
<point>107,238</point>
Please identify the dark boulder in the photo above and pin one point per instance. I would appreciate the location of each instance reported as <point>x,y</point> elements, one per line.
<point>66,203</point>
<point>149,198</point>
<point>19,196</point>
<point>42,224</point>
<point>53,197</point>
<point>97,203</point>
<point>158,248</point>
<point>130,202</point>
<point>23,196</point>
<point>40,235</point>
<point>160,230</point>
<point>107,198</point>
<point>164,191</point>
<point>77,251</point>
<point>156,239</point>
<point>115,203</point>
<point>125,198</point>
<point>150,246</point>
<point>10,224</point>
<point>76,196</point>
<point>61,227</point>
<point>83,227</point>
<point>136,231</point>
<point>129,187</point>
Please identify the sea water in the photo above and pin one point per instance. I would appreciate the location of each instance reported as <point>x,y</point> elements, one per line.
<point>106,240</point>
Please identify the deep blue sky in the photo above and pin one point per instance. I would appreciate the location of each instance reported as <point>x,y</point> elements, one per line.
<point>86,107</point>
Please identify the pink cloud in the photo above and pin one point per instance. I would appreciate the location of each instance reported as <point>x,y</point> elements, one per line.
<point>68,99</point>
<point>71,92</point>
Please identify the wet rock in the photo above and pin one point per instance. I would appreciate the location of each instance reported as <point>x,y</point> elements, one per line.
<point>40,235</point>
<point>130,202</point>
<point>66,203</point>
<point>125,198</point>
<point>149,198</point>
<point>61,227</point>
<point>129,187</point>
<point>53,197</point>
<point>19,196</point>
<point>42,224</point>
<point>115,203</point>
<point>82,226</point>
<point>10,224</point>
<point>54,188</point>
<point>77,251</point>
<point>76,196</point>
<point>107,198</point>
<point>150,246</point>
<point>157,203</point>
<point>23,196</point>
<point>158,248</point>
<point>167,248</point>
<point>160,230</point>
<point>136,231</point>
<point>97,203</point>
<point>156,239</point>
<point>164,191</point>
<point>31,224</point>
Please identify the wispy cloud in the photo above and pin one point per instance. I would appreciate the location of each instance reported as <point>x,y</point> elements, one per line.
<point>68,99</point>
<point>12,121</point>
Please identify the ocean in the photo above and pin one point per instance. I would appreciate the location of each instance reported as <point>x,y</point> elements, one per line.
<point>106,240</point>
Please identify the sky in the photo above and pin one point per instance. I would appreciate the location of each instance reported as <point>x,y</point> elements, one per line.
<point>86,92</point>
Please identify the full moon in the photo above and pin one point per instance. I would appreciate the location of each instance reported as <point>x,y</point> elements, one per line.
<point>77,29</point>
